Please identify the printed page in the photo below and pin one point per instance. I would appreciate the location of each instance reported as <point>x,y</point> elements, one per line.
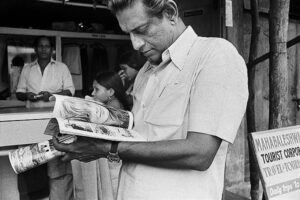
<point>74,127</point>
<point>87,110</point>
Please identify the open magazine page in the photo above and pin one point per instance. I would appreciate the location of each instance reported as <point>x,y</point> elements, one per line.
<point>91,111</point>
<point>28,157</point>
<point>74,127</point>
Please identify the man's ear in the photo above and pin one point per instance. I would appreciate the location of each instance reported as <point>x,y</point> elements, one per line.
<point>171,11</point>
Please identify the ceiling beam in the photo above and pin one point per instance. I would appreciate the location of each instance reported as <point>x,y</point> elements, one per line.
<point>75,4</point>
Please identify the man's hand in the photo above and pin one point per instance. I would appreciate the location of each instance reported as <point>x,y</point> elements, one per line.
<point>45,95</point>
<point>83,149</point>
<point>31,96</point>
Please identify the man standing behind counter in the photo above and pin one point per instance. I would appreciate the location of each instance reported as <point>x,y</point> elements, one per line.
<point>38,81</point>
<point>189,100</point>
<point>44,77</point>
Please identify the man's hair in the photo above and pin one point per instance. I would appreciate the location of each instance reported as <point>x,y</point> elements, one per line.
<point>37,40</point>
<point>154,7</point>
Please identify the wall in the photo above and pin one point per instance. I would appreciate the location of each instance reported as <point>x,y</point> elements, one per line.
<point>262,79</point>
<point>203,16</point>
<point>237,174</point>
<point>235,164</point>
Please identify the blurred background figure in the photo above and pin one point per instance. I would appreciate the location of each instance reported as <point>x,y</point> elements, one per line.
<point>130,63</point>
<point>44,77</point>
<point>38,81</point>
<point>17,64</point>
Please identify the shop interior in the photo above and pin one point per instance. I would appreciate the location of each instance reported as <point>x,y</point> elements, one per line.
<point>84,26</point>
<point>86,34</point>
<point>87,38</point>
<point>76,37</point>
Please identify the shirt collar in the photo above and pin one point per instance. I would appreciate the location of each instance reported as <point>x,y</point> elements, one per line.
<point>156,68</point>
<point>52,61</point>
<point>180,48</point>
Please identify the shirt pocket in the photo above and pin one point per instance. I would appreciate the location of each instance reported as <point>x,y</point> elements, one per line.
<point>56,84</point>
<point>170,107</point>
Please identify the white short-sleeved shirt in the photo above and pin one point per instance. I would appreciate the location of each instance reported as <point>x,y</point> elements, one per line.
<point>56,78</point>
<point>201,86</point>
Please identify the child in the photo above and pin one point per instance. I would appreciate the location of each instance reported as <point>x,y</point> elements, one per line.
<point>108,89</point>
<point>99,178</point>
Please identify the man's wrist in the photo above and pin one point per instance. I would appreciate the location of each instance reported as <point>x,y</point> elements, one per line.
<point>113,155</point>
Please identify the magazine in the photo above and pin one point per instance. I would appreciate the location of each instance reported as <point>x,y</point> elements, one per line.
<point>75,117</point>
<point>89,118</point>
<point>28,157</point>
<point>88,110</point>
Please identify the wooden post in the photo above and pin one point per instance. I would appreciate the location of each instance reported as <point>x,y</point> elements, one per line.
<point>58,48</point>
<point>298,76</point>
<point>278,75</point>
<point>278,70</point>
<point>254,170</point>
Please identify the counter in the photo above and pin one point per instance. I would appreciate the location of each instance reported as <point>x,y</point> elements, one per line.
<point>11,114</point>
<point>18,126</point>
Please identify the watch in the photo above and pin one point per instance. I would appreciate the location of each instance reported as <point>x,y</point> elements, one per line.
<point>113,155</point>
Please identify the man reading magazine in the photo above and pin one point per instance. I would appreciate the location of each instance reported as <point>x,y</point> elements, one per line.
<point>189,100</point>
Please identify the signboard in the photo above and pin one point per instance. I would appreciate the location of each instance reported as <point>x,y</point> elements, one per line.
<point>228,13</point>
<point>194,12</point>
<point>278,154</point>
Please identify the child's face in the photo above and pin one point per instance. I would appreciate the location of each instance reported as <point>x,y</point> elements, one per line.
<point>100,93</point>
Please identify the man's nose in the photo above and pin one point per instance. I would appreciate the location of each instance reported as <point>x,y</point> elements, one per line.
<point>137,42</point>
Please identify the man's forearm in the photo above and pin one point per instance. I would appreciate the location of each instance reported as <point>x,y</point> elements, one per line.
<point>196,152</point>
<point>164,154</point>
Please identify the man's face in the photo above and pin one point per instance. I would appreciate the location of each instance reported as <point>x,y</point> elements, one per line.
<point>149,35</point>
<point>44,49</point>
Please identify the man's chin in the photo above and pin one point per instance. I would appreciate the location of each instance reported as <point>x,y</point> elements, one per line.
<point>154,60</point>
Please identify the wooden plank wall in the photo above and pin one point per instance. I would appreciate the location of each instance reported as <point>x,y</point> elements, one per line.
<point>237,169</point>
<point>235,164</point>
